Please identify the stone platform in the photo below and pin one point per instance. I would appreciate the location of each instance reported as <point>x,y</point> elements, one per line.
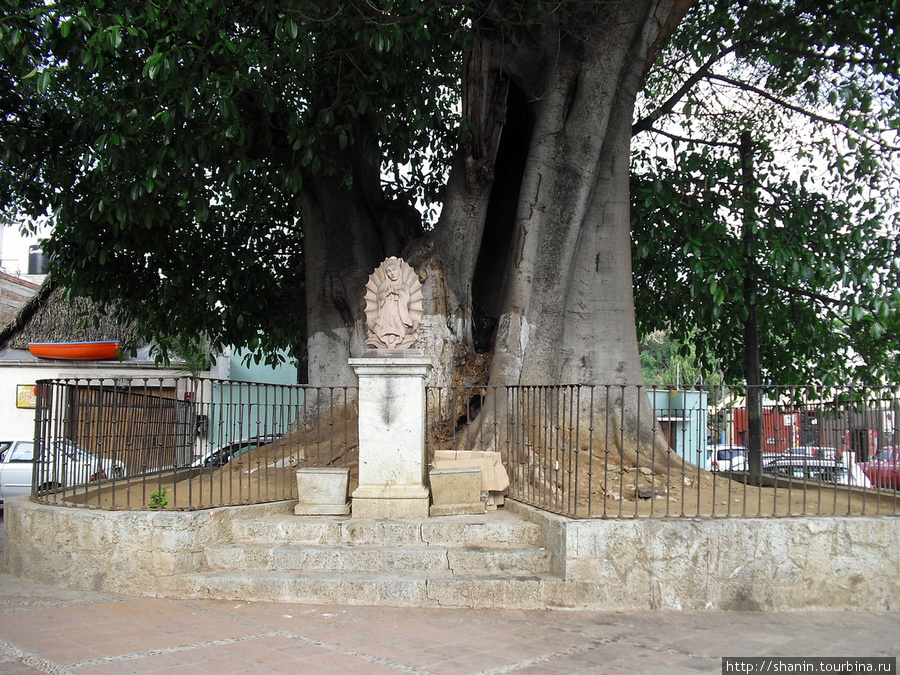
<point>513,558</point>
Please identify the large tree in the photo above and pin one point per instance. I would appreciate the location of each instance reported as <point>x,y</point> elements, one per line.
<point>182,134</point>
<point>198,156</point>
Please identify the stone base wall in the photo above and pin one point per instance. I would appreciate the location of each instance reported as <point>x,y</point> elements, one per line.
<point>134,552</point>
<point>678,564</point>
<point>819,563</point>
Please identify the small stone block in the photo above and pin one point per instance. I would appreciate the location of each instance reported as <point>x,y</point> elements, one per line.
<point>456,486</point>
<point>456,491</point>
<point>322,491</point>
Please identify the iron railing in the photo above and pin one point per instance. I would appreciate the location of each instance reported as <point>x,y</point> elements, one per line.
<point>580,451</point>
<point>183,443</point>
<point>632,452</point>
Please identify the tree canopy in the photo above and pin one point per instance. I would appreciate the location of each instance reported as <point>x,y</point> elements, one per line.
<point>816,90</point>
<point>181,150</point>
<point>168,144</point>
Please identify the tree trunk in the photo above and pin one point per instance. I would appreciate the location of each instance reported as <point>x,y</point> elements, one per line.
<point>565,310</point>
<point>528,273</point>
<point>347,232</point>
<point>751,325</point>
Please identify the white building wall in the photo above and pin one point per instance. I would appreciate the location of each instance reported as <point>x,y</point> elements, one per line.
<point>17,421</point>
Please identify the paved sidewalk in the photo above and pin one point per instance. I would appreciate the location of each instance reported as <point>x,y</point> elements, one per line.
<point>51,630</point>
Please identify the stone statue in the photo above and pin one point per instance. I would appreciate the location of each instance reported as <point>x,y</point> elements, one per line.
<point>393,306</point>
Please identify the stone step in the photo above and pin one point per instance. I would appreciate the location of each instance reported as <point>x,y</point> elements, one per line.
<point>492,560</point>
<point>495,528</point>
<point>422,559</point>
<point>396,590</point>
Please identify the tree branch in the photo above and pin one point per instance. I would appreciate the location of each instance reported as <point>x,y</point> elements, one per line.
<point>808,54</point>
<point>646,124</point>
<point>685,139</point>
<point>819,297</point>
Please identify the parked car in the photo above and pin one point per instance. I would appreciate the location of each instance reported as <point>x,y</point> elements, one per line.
<point>69,464</point>
<point>105,467</point>
<point>225,453</point>
<point>800,454</point>
<point>810,468</point>
<point>728,458</point>
<point>884,468</point>
<point>818,452</point>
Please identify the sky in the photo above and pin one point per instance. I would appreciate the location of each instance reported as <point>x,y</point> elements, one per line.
<point>14,250</point>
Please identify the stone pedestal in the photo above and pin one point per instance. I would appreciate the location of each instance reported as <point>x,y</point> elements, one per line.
<point>391,435</point>
<point>322,491</point>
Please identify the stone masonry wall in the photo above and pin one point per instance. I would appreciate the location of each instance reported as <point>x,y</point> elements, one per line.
<point>137,552</point>
<point>728,564</point>
<point>622,565</point>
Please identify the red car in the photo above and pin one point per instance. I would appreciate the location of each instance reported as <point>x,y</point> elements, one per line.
<point>884,469</point>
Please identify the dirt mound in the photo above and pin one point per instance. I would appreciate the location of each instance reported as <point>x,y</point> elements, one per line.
<point>589,488</point>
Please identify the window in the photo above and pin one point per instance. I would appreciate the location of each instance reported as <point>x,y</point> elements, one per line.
<point>23,452</point>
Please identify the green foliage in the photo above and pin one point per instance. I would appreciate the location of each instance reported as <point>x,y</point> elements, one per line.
<point>669,364</point>
<point>170,141</point>
<point>827,298</point>
<point>817,88</point>
<point>158,500</point>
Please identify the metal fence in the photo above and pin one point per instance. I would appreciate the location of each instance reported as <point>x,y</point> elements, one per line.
<point>183,443</point>
<point>633,452</point>
<point>580,451</point>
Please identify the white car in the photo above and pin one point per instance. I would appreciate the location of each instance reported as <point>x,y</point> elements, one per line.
<point>818,452</point>
<point>70,464</point>
<point>728,458</point>
<point>825,470</point>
